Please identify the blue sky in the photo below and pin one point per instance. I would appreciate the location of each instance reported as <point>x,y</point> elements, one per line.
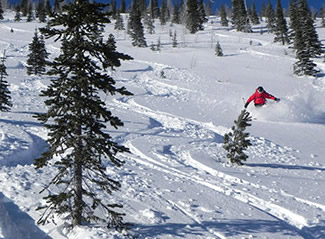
<point>285,3</point>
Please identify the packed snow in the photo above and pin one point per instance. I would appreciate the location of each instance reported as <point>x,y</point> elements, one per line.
<point>177,181</point>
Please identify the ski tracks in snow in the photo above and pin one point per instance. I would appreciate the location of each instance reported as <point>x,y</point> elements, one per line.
<point>204,138</point>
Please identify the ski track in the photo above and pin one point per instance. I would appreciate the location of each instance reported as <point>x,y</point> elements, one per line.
<point>220,182</point>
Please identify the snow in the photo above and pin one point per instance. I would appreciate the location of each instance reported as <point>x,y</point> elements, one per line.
<point>177,181</point>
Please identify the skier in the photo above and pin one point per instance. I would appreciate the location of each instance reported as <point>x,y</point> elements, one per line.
<point>260,97</point>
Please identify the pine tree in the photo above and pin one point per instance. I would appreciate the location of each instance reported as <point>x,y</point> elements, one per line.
<point>41,11</point>
<point>1,11</point>
<point>119,24</point>
<point>176,14</point>
<point>149,22</point>
<point>309,33</point>
<point>56,7</point>
<point>240,18</point>
<point>202,16</point>
<point>18,14</point>
<point>135,26</point>
<point>77,117</point>
<point>192,16</point>
<point>218,49</point>
<point>281,29</point>
<point>123,6</point>
<point>294,20</point>
<point>270,18</point>
<point>175,40</point>
<point>306,41</point>
<point>223,16</point>
<point>236,141</point>
<point>30,16</point>
<point>37,57</point>
<point>163,13</point>
<point>5,98</point>
<point>253,15</point>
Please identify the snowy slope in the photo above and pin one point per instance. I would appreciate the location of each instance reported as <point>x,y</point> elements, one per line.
<point>177,183</point>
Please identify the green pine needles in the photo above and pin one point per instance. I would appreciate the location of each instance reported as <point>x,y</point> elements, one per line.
<point>78,144</point>
<point>236,141</point>
<point>5,98</point>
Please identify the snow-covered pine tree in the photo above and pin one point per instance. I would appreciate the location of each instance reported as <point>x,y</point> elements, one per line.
<point>41,11</point>
<point>223,16</point>
<point>309,33</point>
<point>240,19</point>
<point>77,118</point>
<point>37,57</point>
<point>294,20</point>
<point>304,65</point>
<point>135,26</point>
<point>5,98</point>
<point>270,17</point>
<point>281,29</point>
<point>236,141</point>
<point>218,49</point>
<point>30,15</point>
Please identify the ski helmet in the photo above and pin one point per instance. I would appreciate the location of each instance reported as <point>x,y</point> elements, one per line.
<point>260,89</point>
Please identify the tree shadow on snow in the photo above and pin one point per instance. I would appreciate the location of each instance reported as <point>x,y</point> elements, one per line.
<point>228,228</point>
<point>16,224</point>
<point>283,166</point>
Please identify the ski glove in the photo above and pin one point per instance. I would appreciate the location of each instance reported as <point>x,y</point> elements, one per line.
<point>246,105</point>
<point>277,99</point>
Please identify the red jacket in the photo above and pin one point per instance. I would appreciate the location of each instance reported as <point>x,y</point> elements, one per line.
<point>260,98</point>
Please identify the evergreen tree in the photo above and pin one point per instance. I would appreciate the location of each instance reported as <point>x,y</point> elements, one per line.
<point>149,22</point>
<point>218,49</point>
<point>1,11</point>
<point>309,33</point>
<point>240,18</point>
<point>24,7</point>
<point>5,98</point>
<point>175,40</point>
<point>236,141</point>
<point>123,6</point>
<point>202,16</point>
<point>270,18</point>
<point>163,13</point>
<point>253,15</point>
<point>18,14</point>
<point>223,16</point>
<point>57,7</point>
<point>208,9</point>
<point>192,16</point>
<point>119,24</point>
<point>176,14</point>
<point>135,26</point>
<point>281,29</point>
<point>304,65</point>
<point>30,15</point>
<point>77,117</point>
<point>48,8</point>
<point>37,57</point>
<point>41,11</point>
<point>294,20</point>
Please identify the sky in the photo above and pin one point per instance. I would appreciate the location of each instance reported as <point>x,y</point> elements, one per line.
<point>217,3</point>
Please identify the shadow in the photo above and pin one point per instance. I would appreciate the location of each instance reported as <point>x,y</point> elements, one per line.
<point>229,228</point>
<point>21,123</point>
<point>16,224</point>
<point>282,166</point>
<point>148,68</point>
